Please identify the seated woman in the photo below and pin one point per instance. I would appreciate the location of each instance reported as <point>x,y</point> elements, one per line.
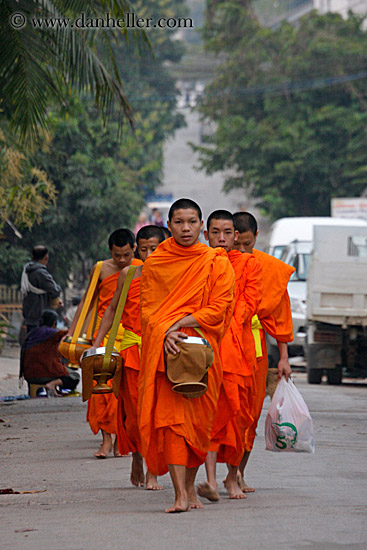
<point>40,359</point>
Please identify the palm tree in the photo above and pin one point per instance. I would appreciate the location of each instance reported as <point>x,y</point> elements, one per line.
<point>38,66</point>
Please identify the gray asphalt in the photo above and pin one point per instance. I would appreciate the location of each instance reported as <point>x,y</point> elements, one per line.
<point>301,501</point>
<point>182,178</point>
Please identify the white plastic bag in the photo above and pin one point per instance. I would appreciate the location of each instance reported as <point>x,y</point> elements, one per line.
<point>288,425</point>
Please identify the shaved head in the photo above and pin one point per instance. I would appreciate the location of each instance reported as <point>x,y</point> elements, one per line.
<point>184,204</point>
<point>244,221</point>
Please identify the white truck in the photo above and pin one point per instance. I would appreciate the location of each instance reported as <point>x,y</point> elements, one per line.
<point>336,341</point>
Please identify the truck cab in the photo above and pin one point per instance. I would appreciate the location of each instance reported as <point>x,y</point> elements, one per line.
<point>336,342</point>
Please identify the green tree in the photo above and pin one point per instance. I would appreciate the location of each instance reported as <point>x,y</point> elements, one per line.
<point>38,66</point>
<point>25,191</point>
<point>290,107</point>
<point>97,190</point>
<point>102,178</point>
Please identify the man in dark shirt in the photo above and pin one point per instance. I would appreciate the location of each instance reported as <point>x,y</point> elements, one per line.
<point>38,288</point>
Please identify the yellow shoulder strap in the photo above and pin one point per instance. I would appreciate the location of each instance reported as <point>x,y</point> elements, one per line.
<point>117,317</point>
<point>255,327</point>
<point>85,308</point>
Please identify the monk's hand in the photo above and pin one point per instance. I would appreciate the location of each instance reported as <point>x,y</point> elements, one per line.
<point>174,328</point>
<point>284,369</point>
<point>171,339</point>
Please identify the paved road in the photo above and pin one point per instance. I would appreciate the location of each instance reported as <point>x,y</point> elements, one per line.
<point>302,501</point>
<point>182,179</point>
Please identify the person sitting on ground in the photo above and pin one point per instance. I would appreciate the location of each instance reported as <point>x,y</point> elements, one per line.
<point>40,359</point>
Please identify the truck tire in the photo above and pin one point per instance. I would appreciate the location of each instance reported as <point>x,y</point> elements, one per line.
<point>334,376</point>
<point>314,376</point>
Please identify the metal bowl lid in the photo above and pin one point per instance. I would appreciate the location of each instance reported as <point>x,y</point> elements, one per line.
<point>80,340</point>
<point>98,351</point>
<point>195,340</point>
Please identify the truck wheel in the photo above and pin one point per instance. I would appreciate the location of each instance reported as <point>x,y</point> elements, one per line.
<point>334,376</point>
<point>314,376</point>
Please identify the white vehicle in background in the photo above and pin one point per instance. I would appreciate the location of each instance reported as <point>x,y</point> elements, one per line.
<point>336,340</point>
<point>291,240</point>
<point>287,230</point>
<point>297,254</point>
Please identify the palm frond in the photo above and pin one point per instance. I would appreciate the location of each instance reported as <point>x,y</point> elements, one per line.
<point>33,62</point>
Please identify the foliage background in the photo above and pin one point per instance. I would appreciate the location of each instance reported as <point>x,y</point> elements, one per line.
<point>101,176</point>
<point>290,108</point>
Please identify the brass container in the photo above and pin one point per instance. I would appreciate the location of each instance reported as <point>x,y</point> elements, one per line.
<point>92,369</point>
<point>80,346</point>
<point>188,370</point>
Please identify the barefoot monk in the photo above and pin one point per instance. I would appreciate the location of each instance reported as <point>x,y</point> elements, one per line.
<point>233,415</point>
<point>184,285</point>
<point>147,239</point>
<point>102,409</point>
<point>273,316</point>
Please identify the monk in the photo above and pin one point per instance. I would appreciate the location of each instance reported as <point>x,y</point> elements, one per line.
<point>273,316</point>
<point>184,285</point>
<point>147,239</point>
<point>234,406</point>
<point>102,409</point>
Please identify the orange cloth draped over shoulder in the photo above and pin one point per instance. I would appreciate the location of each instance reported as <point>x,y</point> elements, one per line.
<point>178,281</point>
<point>102,409</point>
<point>238,356</point>
<point>128,436</point>
<point>274,313</point>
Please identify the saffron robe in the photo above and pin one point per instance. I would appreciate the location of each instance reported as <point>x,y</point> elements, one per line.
<point>178,281</point>
<point>102,409</point>
<point>238,356</point>
<point>275,315</point>
<point>128,436</point>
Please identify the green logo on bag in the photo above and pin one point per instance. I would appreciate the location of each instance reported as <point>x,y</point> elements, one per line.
<point>286,434</point>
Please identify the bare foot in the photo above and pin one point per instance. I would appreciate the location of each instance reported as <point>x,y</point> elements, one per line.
<point>243,485</point>
<point>234,491</point>
<point>207,491</point>
<point>151,482</point>
<point>194,502</point>
<point>116,452</point>
<point>103,451</point>
<point>137,471</point>
<point>181,505</point>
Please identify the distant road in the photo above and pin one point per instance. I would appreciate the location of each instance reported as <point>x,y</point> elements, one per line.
<point>183,180</point>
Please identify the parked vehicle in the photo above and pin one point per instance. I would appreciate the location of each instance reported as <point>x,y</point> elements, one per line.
<point>336,341</point>
<point>297,253</point>
<point>287,230</point>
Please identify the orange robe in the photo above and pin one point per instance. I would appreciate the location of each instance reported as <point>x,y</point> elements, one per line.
<point>102,409</point>
<point>128,436</point>
<point>238,356</point>
<point>178,281</point>
<point>275,315</point>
